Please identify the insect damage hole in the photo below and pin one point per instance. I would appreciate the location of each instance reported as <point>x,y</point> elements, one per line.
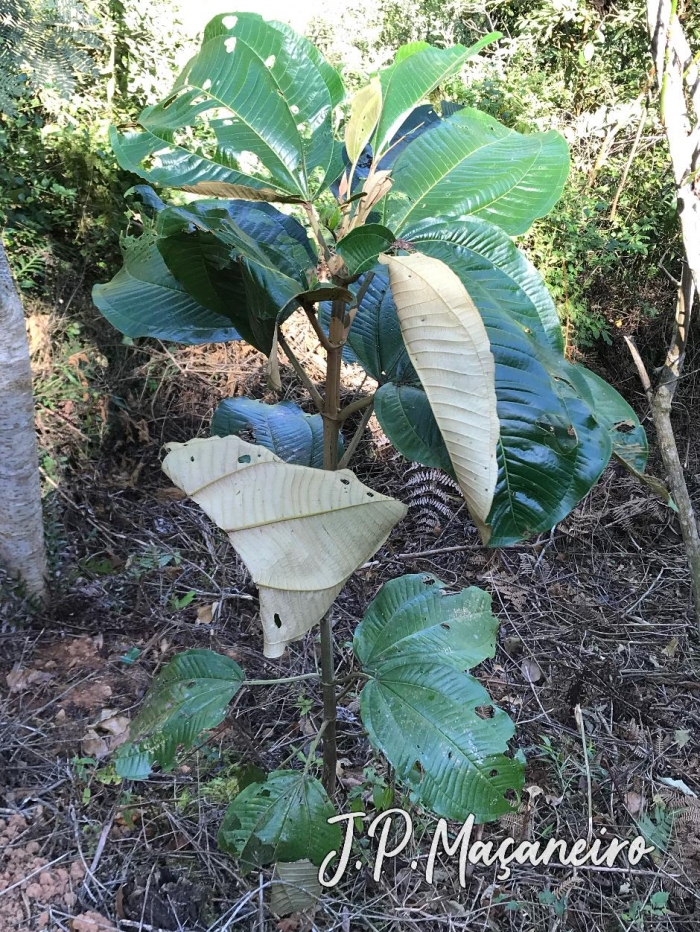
<point>277,620</point>
<point>484,711</point>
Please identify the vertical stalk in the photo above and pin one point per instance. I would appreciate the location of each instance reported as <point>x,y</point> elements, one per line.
<point>331,431</point>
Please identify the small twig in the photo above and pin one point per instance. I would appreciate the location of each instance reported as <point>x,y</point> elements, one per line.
<point>362,291</point>
<point>299,369</point>
<point>313,220</point>
<point>99,851</point>
<point>355,406</point>
<point>579,721</point>
<point>357,436</point>
<point>314,744</point>
<point>283,679</point>
<point>318,329</point>
<point>641,368</point>
<point>628,165</point>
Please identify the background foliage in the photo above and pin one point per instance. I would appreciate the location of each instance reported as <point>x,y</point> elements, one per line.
<point>68,69</point>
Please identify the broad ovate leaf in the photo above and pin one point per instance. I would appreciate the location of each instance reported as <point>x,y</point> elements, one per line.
<point>301,532</point>
<point>286,430</point>
<point>144,299</point>
<point>416,616</point>
<point>361,248</point>
<point>283,819</point>
<point>472,164</point>
<point>552,446</point>
<point>417,70</point>
<point>434,722</point>
<point>449,348</point>
<point>267,101</point>
<point>190,695</point>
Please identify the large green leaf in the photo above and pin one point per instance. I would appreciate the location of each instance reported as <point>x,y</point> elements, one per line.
<point>190,695</point>
<point>283,428</point>
<point>471,164</point>
<point>360,249</point>
<point>552,449</point>
<point>145,300</point>
<point>276,252</point>
<point>629,439</point>
<point>435,723</point>
<point>282,819</point>
<point>209,273</point>
<point>263,93</point>
<point>405,416</point>
<point>417,70</point>
<point>500,275</point>
<point>414,617</point>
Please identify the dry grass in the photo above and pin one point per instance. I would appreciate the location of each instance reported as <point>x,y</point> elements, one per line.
<point>601,608</point>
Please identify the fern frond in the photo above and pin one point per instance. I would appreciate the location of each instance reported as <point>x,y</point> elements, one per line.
<point>431,498</point>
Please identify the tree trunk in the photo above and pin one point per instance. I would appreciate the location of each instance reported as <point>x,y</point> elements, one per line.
<point>21,526</point>
<point>678,79</point>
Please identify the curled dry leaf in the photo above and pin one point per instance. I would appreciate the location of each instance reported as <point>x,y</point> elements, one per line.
<point>530,669</point>
<point>19,680</point>
<point>300,531</point>
<point>206,614</point>
<point>105,735</point>
<point>634,802</point>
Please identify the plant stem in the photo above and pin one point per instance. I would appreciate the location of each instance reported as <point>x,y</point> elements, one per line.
<point>357,436</point>
<point>354,406</point>
<point>331,431</point>
<point>331,412</point>
<point>299,369</point>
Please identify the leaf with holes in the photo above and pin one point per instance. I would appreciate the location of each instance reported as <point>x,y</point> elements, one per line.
<point>449,348</point>
<point>145,300</point>
<point>300,531</point>
<point>629,439</point>
<point>472,164</point>
<point>264,93</point>
<point>286,430</point>
<point>283,819</point>
<point>417,70</point>
<point>414,616</point>
<point>434,722</point>
<point>189,696</point>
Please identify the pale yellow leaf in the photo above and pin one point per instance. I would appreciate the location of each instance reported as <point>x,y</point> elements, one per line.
<point>301,532</point>
<point>365,107</point>
<point>450,350</point>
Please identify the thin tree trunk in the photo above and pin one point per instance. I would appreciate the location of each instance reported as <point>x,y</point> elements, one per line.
<point>678,78</point>
<point>21,525</point>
